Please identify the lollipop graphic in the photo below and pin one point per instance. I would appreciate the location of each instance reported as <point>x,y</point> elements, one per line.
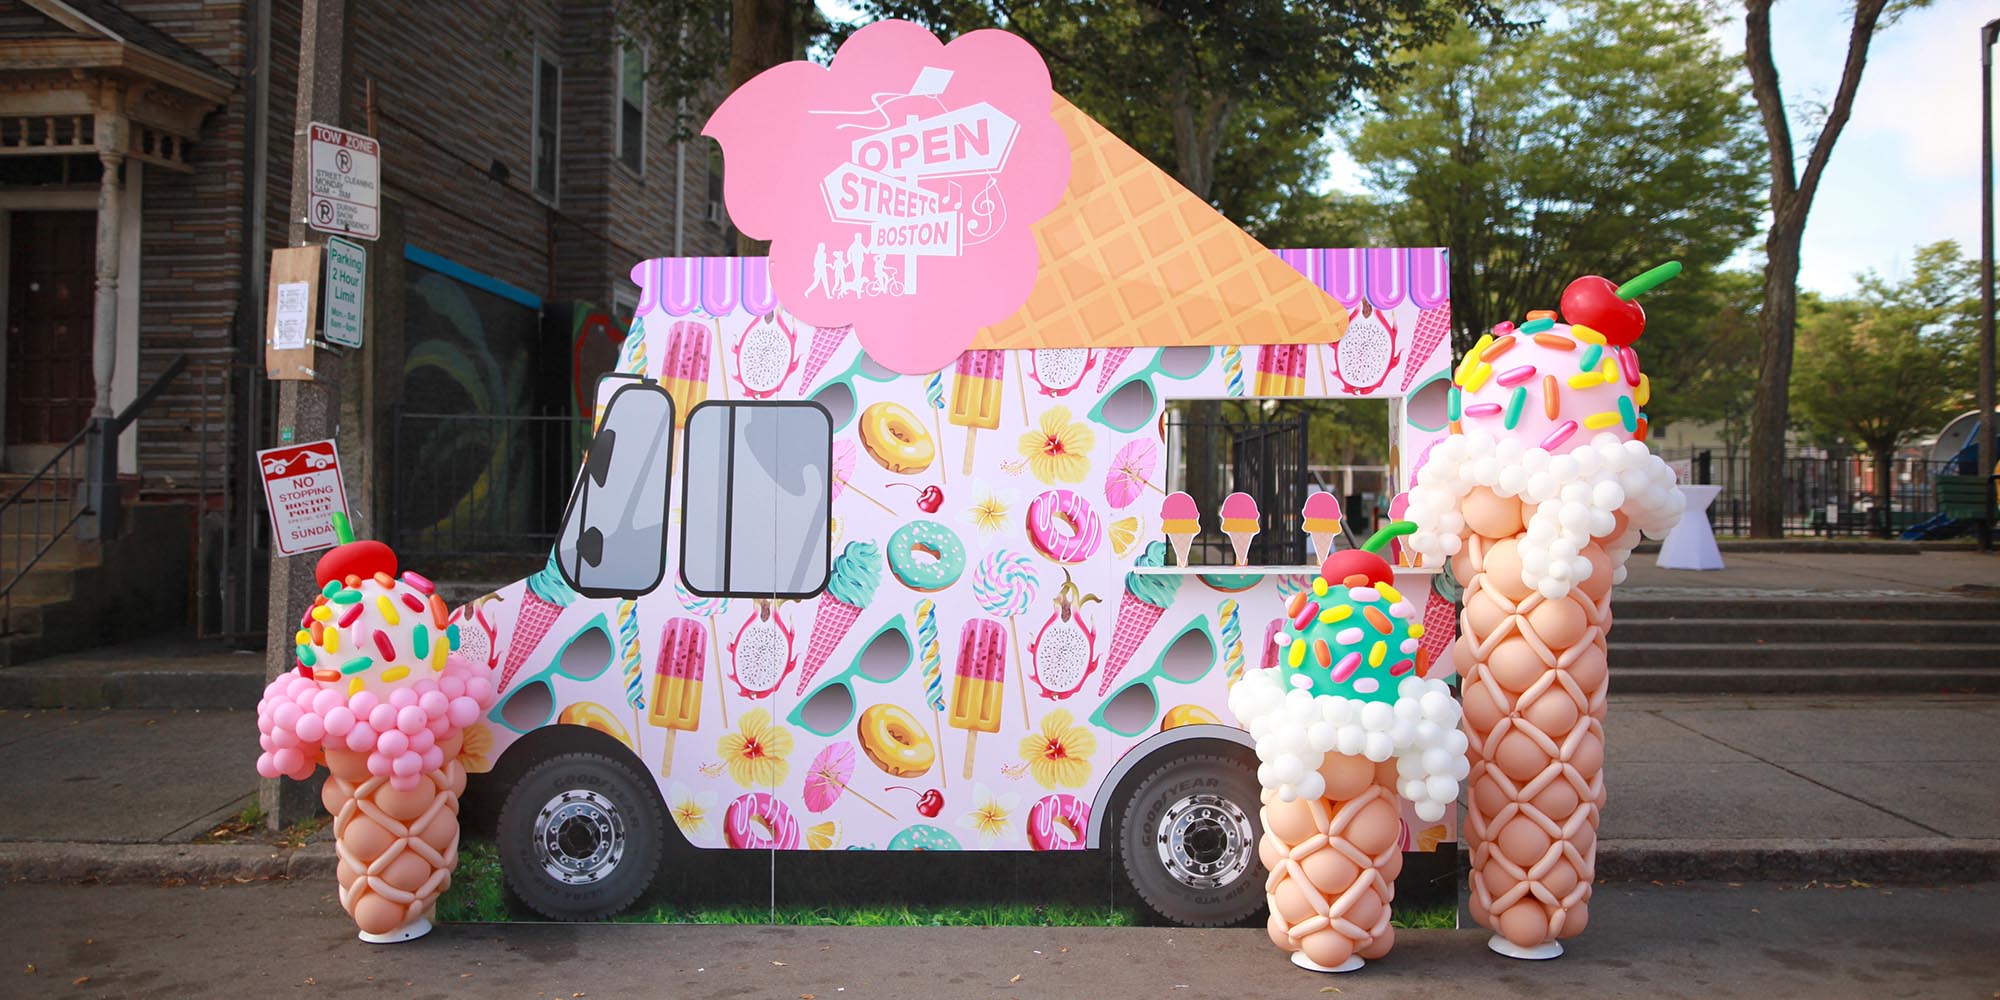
<point>633,661</point>
<point>927,649</point>
<point>934,394</point>
<point>1004,585</point>
<point>705,608</point>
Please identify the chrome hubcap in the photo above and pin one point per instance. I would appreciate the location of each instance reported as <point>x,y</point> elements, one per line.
<point>1205,841</point>
<point>580,837</point>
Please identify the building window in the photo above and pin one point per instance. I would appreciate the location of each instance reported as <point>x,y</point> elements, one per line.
<point>546,125</point>
<point>631,140</point>
<point>754,521</point>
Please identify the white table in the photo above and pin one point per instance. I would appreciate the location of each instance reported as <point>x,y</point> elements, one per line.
<point>1691,545</point>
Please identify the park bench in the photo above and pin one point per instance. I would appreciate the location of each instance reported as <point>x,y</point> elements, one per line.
<point>1965,498</point>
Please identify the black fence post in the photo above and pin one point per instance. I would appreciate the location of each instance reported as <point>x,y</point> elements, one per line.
<point>1704,474</point>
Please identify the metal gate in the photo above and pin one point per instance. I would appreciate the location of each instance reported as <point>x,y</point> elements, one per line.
<point>1263,456</point>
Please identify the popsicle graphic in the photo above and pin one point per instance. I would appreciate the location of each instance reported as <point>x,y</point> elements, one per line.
<point>677,677</point>
<point>979,685</point>
<point>685,368</point>
<point>1181,521</point>
<point>1322,523</point>
<point>1239,522</point>
<point>1281,370</point>
<point>976,391</point>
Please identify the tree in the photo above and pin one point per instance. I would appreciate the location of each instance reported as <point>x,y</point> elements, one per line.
<point>1895,361</point>
<point>1701,353</point>
<point>1792,193</point>
<point>1604,145</point>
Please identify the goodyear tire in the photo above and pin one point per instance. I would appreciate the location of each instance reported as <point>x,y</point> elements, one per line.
<point>1187,838</point>
<point>580,837</point>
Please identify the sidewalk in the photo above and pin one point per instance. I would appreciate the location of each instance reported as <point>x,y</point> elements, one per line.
<point>1891,788</point>
<point>1822,574</point>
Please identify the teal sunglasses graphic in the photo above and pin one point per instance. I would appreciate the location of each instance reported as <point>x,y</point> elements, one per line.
<point>838,395</point>
<point>1188,658</point>
<point>885,657</point>
<point>532,703</point>
<point>1133,404</point>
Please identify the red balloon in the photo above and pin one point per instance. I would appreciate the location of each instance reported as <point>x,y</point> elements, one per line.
<point>1352,562</point>
<point>1593,301</point>
<point>363,559</point>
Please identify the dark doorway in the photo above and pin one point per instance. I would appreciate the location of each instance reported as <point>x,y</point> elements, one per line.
<point>50,388</point>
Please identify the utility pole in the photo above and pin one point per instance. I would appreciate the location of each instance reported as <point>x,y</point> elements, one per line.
<point>1987,36</point>
<point>310,410</point>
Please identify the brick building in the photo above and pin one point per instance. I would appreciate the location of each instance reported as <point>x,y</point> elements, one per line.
<point>145,168</point>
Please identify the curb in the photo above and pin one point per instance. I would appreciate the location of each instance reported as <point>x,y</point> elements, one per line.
<point>62,861</point>
<point>1917,860</point>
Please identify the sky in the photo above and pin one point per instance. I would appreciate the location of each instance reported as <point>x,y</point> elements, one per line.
<point>1906,169</point>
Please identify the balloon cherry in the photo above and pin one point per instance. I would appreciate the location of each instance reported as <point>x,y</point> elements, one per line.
<point>351,558</point>
<point>1365,567</point>
<point>1613,310</point>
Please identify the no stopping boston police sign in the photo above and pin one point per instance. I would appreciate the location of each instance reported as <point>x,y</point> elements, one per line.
<point>303,487</point>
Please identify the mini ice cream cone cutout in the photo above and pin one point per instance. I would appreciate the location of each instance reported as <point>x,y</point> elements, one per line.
<point>1322,523</point>
<point>1240,522</point>
<point>1180,520</point>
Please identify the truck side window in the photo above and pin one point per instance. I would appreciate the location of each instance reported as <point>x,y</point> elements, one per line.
<point>756,499</point>
<point>614,534</point>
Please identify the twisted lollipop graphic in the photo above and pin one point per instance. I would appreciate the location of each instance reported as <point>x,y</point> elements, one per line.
<point>1232,638</point>
<point>633,662</point>
<point>927,647</point>
<point>934,394</point>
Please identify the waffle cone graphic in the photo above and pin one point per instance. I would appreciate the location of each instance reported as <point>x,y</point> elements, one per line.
<point>1130,258</point>
<point>1136,619</point>
<point>537,616</point>
<point>1534,691</point>
<point>1333,868</point>
<point>830,625</point>
<point>396,850</point>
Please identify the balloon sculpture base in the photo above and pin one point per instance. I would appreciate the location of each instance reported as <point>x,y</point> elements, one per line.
<point>1353,963</point>
<point>407,932</point>
<point>1532,953</point>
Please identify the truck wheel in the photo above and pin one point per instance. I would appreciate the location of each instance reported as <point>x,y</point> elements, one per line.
<point>580,837</point>
<point>1188,840</point>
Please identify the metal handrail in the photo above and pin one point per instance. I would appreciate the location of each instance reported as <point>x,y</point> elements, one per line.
<point>103,433</point>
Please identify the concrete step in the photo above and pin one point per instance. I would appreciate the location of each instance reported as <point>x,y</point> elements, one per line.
<point>1773,656</point>
<point>17,548</point>
<point>178,676</point>
<point>1749,632</point>
<point>1793,680</point>
<point>1888,609</point>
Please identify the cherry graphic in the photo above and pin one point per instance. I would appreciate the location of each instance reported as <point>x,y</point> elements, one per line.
<point>929,499</point>
<point>1613,310</point>
<point>930,802</point>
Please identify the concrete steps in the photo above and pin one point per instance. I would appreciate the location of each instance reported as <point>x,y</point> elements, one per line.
<point>1795,644</point>
<point>84,594</point>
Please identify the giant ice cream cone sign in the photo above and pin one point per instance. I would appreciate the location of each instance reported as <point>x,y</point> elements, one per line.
<point>1345,722</point>
<point>381,697</point>
<point>1537,498</point>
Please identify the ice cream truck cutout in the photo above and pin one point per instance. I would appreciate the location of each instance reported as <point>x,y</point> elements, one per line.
<point>801,600</point>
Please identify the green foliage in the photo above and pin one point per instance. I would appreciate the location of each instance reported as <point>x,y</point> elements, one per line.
<point>478,891</point>
<point>1899,359</point>
<point>1606,144</point>
<point>1700,350</point>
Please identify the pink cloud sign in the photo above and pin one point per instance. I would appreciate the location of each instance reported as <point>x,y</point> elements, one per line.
<point>899,186</point>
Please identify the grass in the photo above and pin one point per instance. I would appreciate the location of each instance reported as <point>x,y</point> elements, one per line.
<point>477,894</point>
<point>247,827</point>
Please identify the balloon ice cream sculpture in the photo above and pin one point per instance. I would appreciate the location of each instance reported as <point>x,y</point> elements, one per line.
<point>382,698</point>
<point>1536,499</point>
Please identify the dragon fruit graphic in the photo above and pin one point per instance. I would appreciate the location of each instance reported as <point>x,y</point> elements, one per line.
<point>760,657</point>
<point>1058,371</point>
<point>766,355</point>
<point>1363,359</point>
<point>1064,653</point>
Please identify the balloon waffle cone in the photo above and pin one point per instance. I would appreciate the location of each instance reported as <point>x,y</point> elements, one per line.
<point>1333,868</point>
<point>830,625</point>
<point>396,850</point>
<point>1534,690</point>
<point>1136,619</point>
<point>536,618</point>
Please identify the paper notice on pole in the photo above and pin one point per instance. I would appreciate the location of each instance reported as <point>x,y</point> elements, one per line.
<point>294,315</point>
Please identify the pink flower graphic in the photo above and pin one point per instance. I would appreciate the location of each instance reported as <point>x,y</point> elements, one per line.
<point>898,186</point>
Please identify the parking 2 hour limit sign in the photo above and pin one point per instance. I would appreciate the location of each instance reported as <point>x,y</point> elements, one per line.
<point>302,484</point>
<point>346,195</point>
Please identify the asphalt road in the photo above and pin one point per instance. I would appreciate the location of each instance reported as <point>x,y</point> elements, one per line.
<point>284,939</point>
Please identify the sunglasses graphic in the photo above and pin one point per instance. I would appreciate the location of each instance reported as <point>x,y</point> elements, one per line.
<point>1132,405</point>
<point>1136,707</point>
<point>838,395</point>
<point>585,657</point>
<point>886,656</point>
<point>1425,409</point>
